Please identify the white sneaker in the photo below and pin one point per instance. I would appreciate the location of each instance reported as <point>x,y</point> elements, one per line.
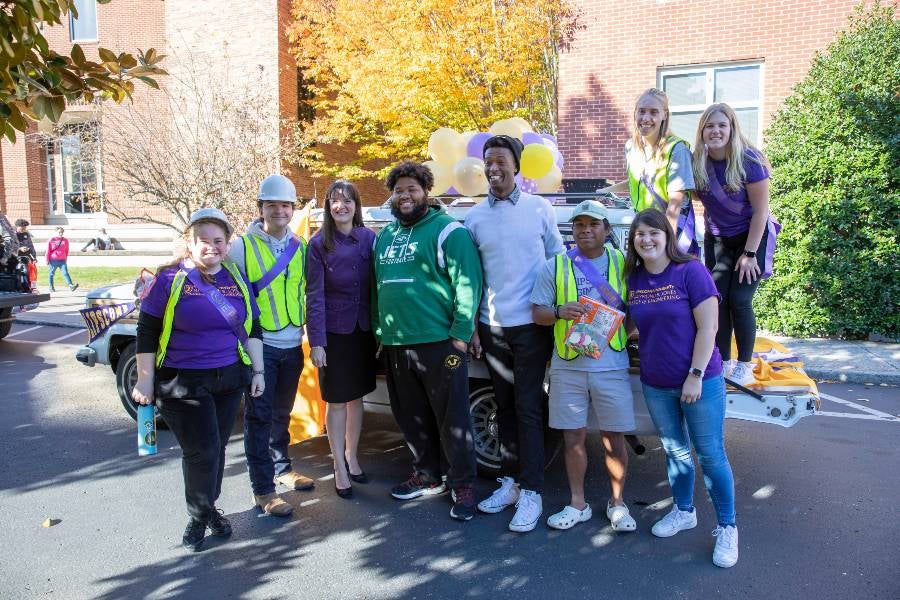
<point>726,553</point>
<point>528,511</point>
<point>728,367</point>
<point>677,520</point>
<point>502,498</point>
<point>742,373</point>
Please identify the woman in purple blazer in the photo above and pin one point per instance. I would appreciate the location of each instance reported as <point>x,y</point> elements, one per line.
<point>338,276</point>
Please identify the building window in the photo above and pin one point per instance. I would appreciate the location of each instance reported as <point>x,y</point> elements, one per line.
<point>692,89</point>
<point>74,169</point>
<point>84,27</point>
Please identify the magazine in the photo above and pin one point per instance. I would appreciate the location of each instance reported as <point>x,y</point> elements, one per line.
<point>590,334</point>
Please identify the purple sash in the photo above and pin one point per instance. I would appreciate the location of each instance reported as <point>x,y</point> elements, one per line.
<point>279,266</point>
<point>772,226</point>
<point>686,231</point>
<point>597,280</point>
<point>212,293</point>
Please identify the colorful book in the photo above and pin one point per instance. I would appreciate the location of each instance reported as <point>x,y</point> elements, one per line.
<point>590,334</point>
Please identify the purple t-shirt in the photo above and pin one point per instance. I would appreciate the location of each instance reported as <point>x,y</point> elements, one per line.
<point>720,221</point>
<point>201,337</point>
<point>661,307</point>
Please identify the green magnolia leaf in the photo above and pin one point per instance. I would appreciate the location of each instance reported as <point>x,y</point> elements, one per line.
<point>57,106</point>
<point>77,55</point>
<point>5,110</point>
<point>107,56</point>
<point>9,132</point>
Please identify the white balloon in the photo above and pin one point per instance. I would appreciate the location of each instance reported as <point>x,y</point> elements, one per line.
<point>446,146</point>
<point>443,177</point>
<point>469,178</point>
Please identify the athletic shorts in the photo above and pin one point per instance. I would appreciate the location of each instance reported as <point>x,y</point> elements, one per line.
<point>607,393</point>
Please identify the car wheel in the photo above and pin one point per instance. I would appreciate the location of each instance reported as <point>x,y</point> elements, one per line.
<point>483,409</point>
<point>5,326</point>
<point>126,378</point>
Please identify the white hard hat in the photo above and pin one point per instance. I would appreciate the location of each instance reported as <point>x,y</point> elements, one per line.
<point>211,213</point>
<point>277,188</point>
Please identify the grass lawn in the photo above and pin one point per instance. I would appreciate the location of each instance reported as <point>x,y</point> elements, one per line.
<point>93,277</point>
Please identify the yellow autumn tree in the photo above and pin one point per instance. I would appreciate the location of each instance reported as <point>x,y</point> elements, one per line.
<point>383,75</point>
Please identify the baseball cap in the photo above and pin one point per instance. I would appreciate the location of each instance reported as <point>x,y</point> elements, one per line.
<point>211,213</point>
<point>590,208</point>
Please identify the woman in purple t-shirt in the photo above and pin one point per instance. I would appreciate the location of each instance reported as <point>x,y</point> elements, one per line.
<point>202,373</point>
<point>732,179</point>
<point>338,273</point>
<point>673,303</point>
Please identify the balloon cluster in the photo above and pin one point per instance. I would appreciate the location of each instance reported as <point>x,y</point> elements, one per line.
<point>458,166</point>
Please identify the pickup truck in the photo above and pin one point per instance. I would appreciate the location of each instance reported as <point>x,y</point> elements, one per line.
<point>116,349</point>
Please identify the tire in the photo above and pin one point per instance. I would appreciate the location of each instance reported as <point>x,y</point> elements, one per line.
<point>126,377</point>
<point>483,410</point>
<point>5,326</point>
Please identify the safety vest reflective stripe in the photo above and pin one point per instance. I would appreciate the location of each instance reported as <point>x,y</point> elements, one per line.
<point>175,295</point>
<point>283,301</point>
<point>641,197</point>
<point>567,291</point>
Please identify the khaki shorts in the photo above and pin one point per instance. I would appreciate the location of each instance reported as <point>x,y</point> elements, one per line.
<point>607,393</point>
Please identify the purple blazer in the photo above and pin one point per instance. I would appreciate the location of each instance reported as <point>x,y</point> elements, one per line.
<point>337,284</point>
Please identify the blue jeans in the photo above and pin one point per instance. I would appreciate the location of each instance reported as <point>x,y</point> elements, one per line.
<point>59,264</point>
<point>703,422</point>
<point>266,418</point>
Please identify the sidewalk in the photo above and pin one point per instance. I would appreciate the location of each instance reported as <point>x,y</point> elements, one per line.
<point>825,359</point>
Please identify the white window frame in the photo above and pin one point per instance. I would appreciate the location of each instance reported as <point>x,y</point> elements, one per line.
<point>96,26</point>
<point>709,70</point>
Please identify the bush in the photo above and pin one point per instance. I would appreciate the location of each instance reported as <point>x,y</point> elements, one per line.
<point>835,151</point>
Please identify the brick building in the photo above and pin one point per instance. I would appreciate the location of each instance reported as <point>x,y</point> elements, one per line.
<point>749,53</point>
<point>56,183</point>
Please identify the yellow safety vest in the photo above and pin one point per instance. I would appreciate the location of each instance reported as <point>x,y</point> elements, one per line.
<point>175,295</point>
<point>641,197</point>
<point>282,302</point>
<point>567,291</point>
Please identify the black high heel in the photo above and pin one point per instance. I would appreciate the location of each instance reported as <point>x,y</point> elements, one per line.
<point>345,493</point>
<point>360,477</point>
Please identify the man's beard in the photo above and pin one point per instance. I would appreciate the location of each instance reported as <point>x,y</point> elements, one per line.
<point>417,213</point>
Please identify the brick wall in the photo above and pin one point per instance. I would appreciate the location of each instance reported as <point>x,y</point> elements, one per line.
<point>616,56</point>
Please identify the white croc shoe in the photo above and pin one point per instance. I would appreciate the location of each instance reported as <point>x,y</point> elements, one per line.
<point>502,498</point>
<point>569,517</point>
<point>620,518</point>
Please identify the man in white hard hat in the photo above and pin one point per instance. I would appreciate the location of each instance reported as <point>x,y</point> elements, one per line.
<point>273,259</point>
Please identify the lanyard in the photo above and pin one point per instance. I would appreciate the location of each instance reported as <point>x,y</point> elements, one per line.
<point>597,280</point>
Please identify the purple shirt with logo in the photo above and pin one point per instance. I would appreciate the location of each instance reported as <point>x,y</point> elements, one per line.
<point>720,221</point>
<point>201,337</point>
<point>661,307</point>
<point>338,284</point>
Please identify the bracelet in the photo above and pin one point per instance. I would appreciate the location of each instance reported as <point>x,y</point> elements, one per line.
<point>258,372</point>
<point>556,311</point>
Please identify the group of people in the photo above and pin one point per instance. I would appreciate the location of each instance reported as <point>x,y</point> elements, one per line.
<point>501,286</point>
<point>57,253</point>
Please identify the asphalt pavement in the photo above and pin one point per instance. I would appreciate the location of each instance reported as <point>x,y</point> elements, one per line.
<point>817,511</point>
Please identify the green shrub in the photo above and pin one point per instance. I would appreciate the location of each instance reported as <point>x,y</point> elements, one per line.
<point>835,151</point>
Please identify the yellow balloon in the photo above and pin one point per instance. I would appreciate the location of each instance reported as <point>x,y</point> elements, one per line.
<point>536,161</point>
<point>524,125</point>
<point>469,178</point>
<point>446,146</point>
<point>507,127</point>
<point>443,177</point>
<point>550,182</point>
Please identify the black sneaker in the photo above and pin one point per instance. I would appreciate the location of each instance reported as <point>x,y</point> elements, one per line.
<point>415,487</point>
<point>463,503</point>
<point>193,535</point>
<point>218,525</point>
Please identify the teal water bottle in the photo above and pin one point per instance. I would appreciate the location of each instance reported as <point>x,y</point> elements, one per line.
<point>146,422</point>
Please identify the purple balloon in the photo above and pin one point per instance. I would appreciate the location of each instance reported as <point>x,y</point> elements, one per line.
<point>519,179</point>
<point>475,148</point>
<point>529,185</point>
<point>529,137</point>
<point>452,190</point>
<point>549,138</point>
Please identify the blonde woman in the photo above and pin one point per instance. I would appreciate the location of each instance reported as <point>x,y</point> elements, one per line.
<point>658,168</point>
<point>732,179</point>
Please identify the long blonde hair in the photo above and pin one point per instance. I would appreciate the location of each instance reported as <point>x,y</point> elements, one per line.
<point>735,151</point>
<point>637,140</point>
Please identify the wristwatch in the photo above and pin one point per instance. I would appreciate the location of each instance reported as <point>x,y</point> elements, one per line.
<point>749,253</point>
<point>698,373</point>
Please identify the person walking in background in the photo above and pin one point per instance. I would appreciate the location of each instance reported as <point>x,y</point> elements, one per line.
<point>57,258</point>
<point>658,168</point>
<point>338,290</point>
<point>516,233</point>
<point>672,301</point>
<point>426,292</point>
<point>198,351</point>
<point>732,180</point>
<point>273,259</point>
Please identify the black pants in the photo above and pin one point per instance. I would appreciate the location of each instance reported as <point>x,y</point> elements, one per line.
<point>517,358</point>
<point>429,390</point>
<point>736,309</point>
<point>199,406</point>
